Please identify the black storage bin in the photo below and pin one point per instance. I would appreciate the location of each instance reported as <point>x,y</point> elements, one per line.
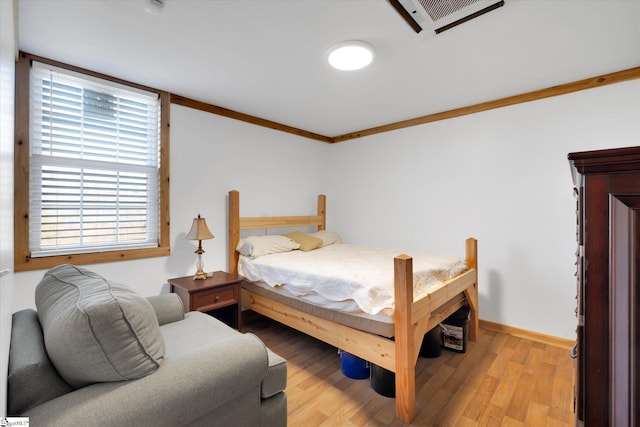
<point>383,381</point>
<point>432,343</point>
<point>454,331</point>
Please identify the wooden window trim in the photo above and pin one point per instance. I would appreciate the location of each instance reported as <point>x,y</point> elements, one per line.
<point>23,260</point>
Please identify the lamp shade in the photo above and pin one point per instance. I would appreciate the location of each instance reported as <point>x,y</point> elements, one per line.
<point>199,230</point>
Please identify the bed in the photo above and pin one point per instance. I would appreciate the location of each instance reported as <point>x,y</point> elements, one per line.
<point>412,318</point>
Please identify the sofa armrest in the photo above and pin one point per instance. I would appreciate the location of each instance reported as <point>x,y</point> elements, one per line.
<point>168,308</point>
<point>183,389</point>
<point>31,378</point>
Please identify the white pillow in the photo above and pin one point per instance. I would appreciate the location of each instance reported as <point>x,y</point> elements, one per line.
<point>327,237</point>
<point>255,246</point>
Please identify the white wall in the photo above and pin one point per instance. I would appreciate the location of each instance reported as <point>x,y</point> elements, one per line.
<point>501,176</point>
<point>211,155</point>
<point>7,81</point>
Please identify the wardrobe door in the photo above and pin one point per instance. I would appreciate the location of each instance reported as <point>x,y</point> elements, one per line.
<point>624,294</point>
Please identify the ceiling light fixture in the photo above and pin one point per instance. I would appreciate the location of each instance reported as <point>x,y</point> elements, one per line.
<point>350,55</point>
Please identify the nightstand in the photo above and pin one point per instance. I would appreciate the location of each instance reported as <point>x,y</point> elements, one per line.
<point>218,295</point>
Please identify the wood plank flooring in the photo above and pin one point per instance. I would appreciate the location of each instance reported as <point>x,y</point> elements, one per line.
<point>500,381</point>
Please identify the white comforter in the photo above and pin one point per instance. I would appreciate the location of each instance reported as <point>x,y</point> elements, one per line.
<point>347,277</point>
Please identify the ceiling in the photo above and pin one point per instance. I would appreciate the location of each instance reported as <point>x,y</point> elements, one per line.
<point>266,58</point>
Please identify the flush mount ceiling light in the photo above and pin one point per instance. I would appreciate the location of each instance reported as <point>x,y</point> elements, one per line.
<point>350,55</point>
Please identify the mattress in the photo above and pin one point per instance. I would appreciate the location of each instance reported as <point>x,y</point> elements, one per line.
<point>348,278</point>
<point>380,324</point>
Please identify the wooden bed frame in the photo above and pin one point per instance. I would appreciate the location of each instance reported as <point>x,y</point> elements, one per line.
<point>412,319</point>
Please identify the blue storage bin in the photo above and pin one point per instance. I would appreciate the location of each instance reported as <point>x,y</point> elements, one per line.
<point>353,366</point>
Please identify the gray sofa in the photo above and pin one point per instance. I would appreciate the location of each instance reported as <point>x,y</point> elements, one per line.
<point>207,375</point>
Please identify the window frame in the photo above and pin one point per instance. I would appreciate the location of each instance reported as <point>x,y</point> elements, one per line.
<point>23,260</point>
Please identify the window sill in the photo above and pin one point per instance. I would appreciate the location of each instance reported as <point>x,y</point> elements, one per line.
<point>28,263</point>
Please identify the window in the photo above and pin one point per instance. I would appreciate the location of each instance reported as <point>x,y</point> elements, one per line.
<point>95,170</point>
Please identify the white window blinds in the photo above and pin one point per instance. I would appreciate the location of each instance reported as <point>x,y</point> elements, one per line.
<point>94,164</point>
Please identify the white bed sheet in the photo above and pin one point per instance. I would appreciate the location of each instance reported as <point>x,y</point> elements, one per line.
<point>346,277</point>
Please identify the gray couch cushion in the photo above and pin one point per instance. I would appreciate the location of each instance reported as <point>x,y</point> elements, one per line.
<point>96,330</point>
<point>276,379</point>
<point>32,379</point>
<point>199,330</point>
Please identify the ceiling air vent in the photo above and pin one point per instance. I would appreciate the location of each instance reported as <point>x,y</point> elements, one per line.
<point>441,15</point>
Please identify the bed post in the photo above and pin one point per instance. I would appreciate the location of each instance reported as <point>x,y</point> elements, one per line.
<point>322,211</point>
<point>234,230</point>
<point>404,339</point>
<point>471,293</point>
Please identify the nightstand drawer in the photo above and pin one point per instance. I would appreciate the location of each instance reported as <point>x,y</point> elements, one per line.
<point>214,298</point>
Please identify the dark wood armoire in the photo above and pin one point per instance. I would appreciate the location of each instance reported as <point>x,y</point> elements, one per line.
<point>608,269</point>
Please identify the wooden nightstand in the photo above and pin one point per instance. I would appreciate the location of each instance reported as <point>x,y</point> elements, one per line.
<point>218,295</point>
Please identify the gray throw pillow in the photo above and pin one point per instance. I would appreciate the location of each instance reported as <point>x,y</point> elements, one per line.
<point>96,330</point>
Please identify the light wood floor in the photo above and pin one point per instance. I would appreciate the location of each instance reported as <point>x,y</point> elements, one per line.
<point>500,381</point>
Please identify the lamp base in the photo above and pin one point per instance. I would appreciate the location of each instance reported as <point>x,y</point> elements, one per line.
<point>200,275</point>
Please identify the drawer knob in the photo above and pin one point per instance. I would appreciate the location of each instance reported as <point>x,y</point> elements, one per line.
<point>217,298</point>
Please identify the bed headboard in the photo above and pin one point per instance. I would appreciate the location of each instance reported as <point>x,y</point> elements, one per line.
<point>238,223</point>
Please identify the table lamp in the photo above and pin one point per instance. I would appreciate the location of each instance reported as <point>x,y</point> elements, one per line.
<point>199,231</point>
